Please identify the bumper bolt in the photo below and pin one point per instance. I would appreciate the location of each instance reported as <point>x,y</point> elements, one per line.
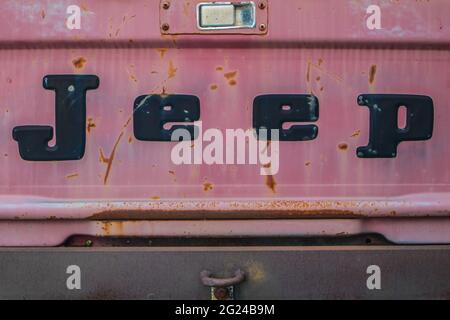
<point>166,5</point>
<point>221,293</point>
<point>165,27</point>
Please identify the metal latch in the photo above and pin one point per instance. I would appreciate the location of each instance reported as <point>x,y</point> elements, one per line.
<point>226,15</point>
<point>211,17</point>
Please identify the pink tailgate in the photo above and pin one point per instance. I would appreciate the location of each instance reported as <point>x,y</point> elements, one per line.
<point>315,47</point>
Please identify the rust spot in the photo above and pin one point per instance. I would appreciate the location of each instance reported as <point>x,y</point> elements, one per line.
<point>131,73</point>
<point>90,125</point>
<point>318,78</point>
<point>308,163</point>
<point>343,146</point>
<point>270,182</point>
<point>106,226</point>
<point>172,71</point>
<point>213,87</point>
<point>110,159</point>
<point>256,272</point>
<point>133,78</point>
<point>320,61</point>
<point>130,139</point>
<point>230,75</point>
<point>207,186</point>
<point>172,173</point>
<point>372,73</point>
<point>79,63</point>
<point>43,14</point>
<point>72,175</point>
<point>232,82</point>
<point>356,134</point>
<point>155,198</point>
<point>162,52</point>
<point>219,68</point>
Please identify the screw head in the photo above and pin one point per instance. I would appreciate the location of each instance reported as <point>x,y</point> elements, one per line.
<point>165,27</point>
<point>166,5</point>
<point>262,27</point>
<point>88,243</point>
<point>262,5</point>
<point>221,293</point>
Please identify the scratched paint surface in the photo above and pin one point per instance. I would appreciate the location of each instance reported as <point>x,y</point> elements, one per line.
<point>311,47</point>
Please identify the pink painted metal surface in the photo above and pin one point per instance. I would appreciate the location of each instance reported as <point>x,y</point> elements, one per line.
<point>311,46</point>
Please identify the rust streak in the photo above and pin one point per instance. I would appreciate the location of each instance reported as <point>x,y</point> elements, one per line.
<point>308,72</point>
<point>172,71</point>
<point>162,52</point>
<point>372,73</point>
<point>110,159</point>
<point>270,182</point>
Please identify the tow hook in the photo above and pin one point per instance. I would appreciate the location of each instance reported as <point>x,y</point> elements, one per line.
<point>222,289</point>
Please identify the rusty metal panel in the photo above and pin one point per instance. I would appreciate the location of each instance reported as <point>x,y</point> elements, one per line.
<point>270,273</point>
<point>309,47</point>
